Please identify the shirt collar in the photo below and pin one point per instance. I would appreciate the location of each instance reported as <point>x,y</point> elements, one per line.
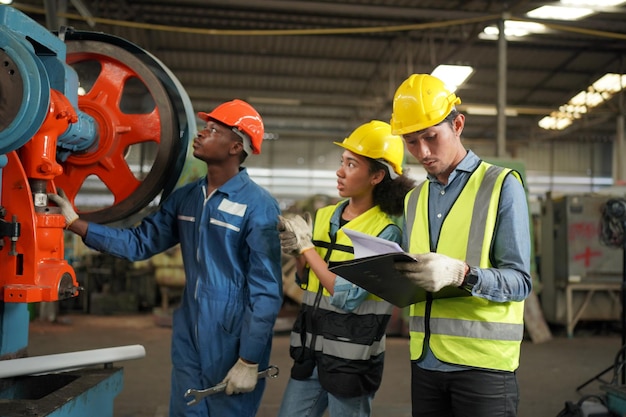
<point>234,184</point>
<point>467,164</point>
<point>335,219</point>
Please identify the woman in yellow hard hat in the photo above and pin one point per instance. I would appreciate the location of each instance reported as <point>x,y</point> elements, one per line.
<point>338,339</point>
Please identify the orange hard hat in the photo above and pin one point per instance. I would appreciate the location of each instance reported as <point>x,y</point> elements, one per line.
<point>243,119</point>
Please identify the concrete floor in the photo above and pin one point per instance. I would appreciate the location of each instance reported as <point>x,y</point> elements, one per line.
<point>548,375</point>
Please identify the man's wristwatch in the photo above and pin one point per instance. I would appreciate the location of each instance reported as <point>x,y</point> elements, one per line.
<point>471,279</point>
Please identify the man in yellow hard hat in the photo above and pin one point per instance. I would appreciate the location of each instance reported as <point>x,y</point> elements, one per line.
<point>467,225</point>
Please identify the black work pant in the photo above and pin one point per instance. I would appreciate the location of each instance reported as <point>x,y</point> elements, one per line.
<point>471,393</point>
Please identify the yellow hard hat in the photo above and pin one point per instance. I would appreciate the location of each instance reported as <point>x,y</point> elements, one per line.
<point>420,102</point>
<point>374,140</point>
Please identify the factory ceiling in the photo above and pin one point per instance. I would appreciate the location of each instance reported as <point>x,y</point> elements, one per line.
<point>317,69</point>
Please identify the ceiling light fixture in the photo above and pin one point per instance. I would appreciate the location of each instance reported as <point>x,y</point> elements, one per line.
<point>567,10</point>
<point>453,75</point>
<point>560,12</point>
<point>512,29</point>
<point>480,110</point>
<point>583,102</point>
<point>593,3</point>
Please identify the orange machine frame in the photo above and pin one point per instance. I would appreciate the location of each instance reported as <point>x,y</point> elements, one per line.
<point>33,269</point>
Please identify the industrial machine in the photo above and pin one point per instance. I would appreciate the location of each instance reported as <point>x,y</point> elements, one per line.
<point>581,276</point>
<point>108,123</point>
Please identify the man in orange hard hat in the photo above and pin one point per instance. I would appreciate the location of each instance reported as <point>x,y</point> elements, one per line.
<point>227,229</point>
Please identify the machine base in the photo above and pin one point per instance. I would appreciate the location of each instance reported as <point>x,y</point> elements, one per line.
<point>80,393</point>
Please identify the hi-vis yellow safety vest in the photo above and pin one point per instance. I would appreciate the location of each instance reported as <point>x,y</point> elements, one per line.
<point>347,347</point>
<point>470,331</point>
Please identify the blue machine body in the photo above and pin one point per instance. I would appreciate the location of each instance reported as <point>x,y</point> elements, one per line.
<point>34,63</point>
<point>70,394</point>
<point>39,57</point>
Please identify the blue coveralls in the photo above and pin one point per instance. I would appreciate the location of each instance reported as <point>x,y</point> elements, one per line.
<point>233,289</point>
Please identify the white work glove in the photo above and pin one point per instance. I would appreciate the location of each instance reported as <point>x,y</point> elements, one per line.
<point>242,377</point>
<point>295,233</point>
<point>433,271</point>
<point>67,210</point>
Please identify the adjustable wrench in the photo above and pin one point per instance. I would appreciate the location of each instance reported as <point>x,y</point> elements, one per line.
<point>198,394</point>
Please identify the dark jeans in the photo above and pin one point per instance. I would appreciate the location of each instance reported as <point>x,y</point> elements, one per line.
<point>472,393</point>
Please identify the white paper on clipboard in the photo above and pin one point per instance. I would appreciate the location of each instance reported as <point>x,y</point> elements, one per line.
<point>366,245</point>
<point>373,269</point>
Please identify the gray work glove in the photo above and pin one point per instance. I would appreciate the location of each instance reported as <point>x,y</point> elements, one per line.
<point>67,210</point>
<point>242,377</point>
<point>295,233</point>
<point>433,271</point>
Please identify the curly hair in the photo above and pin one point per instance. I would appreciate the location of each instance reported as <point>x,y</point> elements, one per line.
<point>389,193</point>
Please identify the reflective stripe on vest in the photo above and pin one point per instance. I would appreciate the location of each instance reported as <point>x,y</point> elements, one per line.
<point>469,331</point>
<point>337,347</point>
<point>368,306</point>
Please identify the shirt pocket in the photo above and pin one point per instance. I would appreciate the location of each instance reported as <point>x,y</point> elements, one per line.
<point>228,229</point>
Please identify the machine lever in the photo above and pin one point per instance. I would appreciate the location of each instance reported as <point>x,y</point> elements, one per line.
<point>198,394</point>
<point>11,230</point>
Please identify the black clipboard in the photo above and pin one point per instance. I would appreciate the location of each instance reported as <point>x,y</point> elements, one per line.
<point>377,275</point>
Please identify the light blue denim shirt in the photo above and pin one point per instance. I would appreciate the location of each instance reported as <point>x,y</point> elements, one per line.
<point>509,279</point>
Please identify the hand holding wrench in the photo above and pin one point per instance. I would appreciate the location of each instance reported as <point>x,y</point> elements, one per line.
<point>198,394</point>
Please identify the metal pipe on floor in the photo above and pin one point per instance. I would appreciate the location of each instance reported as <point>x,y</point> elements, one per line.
<point>68,361</point>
